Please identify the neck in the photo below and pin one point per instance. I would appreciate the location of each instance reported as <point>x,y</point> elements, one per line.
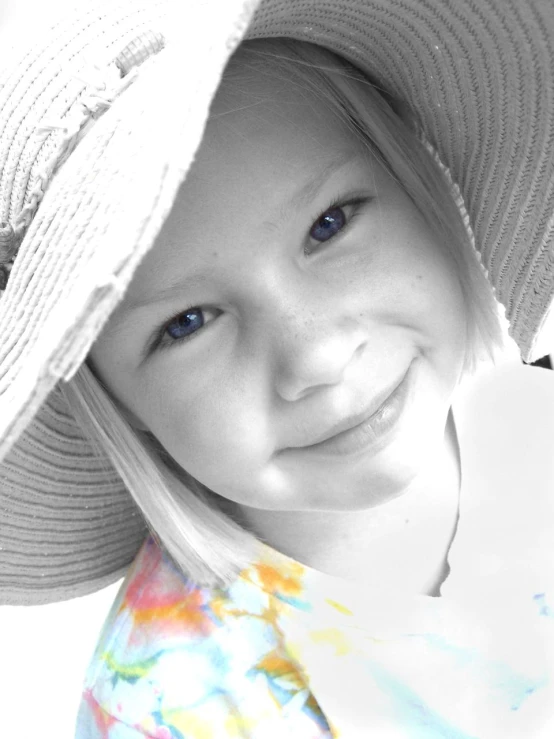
<point>401,545</point>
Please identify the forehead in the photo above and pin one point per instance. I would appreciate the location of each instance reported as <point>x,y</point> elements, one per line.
<point>264,128</point>
<point>267,149</point>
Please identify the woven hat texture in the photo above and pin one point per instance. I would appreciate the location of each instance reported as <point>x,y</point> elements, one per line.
<point>98,125</point>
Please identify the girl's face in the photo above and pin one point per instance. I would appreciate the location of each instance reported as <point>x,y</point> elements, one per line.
<point>291,289</point>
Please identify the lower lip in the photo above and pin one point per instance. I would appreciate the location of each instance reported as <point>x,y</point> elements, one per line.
<point>376,431</point>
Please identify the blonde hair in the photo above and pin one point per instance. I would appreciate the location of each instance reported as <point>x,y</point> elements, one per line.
<point>203,541</point>
<point>194,525</point>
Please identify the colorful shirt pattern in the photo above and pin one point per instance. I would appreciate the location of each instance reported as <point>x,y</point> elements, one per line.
<point>221,667</point>
<point>288,651</point>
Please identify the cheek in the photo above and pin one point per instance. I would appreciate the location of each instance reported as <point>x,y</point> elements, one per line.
<point>417,296</point>
<point>220,434</point>
<point>437,295</point>
<point>428,277</point>
<point>440,309</point>
<point>431,279</point>
<point>418,287</point>
<point>441,312</point>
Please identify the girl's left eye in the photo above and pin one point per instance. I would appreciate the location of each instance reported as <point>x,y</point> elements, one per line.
<point>329,224</point>
<point>336,219</point>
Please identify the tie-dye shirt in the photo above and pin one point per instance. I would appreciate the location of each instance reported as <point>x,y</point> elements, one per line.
<point>288,651</point>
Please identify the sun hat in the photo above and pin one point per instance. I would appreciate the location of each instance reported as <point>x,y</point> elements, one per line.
<point>99,121</point>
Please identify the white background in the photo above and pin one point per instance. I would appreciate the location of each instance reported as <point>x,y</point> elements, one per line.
<point>44,652</point>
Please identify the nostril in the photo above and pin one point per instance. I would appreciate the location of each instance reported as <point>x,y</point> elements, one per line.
<point>318,363</point>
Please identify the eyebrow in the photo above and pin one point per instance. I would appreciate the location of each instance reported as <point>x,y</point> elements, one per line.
<point>303,196</point>
<point>165,293</point>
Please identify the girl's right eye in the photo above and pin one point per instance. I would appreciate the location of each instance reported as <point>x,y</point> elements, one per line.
<point>180,328</point>
<point>185,324</point>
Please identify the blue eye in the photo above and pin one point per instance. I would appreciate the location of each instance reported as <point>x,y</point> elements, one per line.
<point>185,324</point>
<point>330,223</point>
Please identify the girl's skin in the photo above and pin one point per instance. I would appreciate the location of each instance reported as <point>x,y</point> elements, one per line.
<point>304,325</point>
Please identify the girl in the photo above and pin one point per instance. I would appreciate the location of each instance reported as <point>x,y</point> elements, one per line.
<point>271,366</point>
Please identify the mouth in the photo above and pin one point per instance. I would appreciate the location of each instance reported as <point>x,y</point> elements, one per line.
<point>371,427</point>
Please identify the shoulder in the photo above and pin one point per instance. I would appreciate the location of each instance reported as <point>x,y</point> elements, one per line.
<point>178,658</point>
<point>505,425</point>
<point>160,627</point>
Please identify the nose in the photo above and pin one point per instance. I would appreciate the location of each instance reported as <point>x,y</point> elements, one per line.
<point>314,350</point>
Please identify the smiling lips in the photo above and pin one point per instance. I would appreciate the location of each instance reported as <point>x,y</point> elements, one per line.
<point>377,409</point>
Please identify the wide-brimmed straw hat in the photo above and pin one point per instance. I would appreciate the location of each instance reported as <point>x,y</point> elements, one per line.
<point>99,122</point>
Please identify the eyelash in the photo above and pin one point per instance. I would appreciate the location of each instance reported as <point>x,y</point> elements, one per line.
<point>354,200</point>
